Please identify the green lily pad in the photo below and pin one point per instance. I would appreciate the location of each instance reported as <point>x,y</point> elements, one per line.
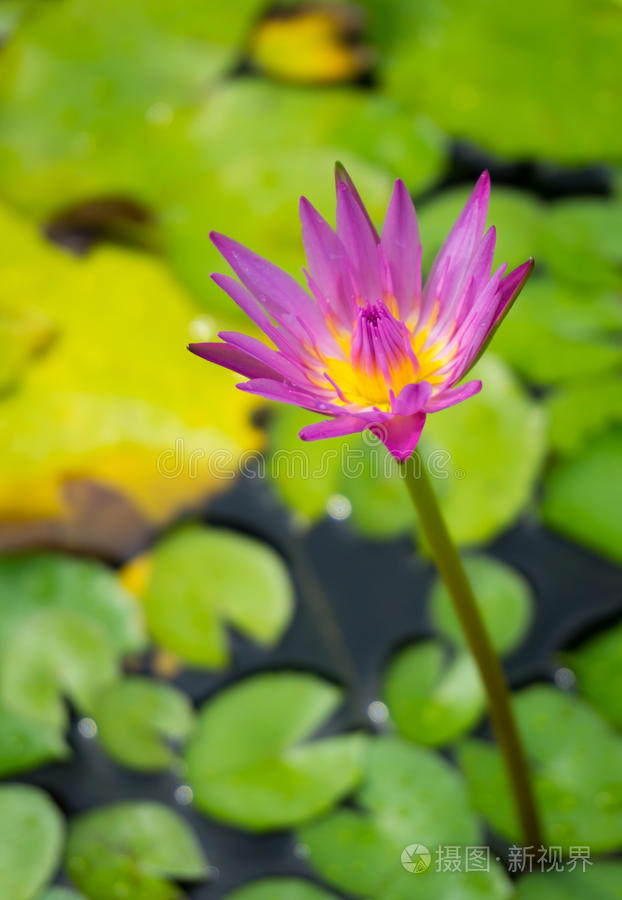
<point>431,700</point>
<point>554,332</point>
<point>140,721</point>
<point>280,889</point>
<point>204,579</point>
<point>503,597</point>
<point>73,130</point>
<point>31,837</point>
<point>601,880</point>
<point>134,850</point>
<point>249,762</point>
<point>583,241</point>
<point>410,798</point>
<point>48,581</point>
<point>583,496</point>
<point>26,743</point>
<point>496,443</point>
<point>579,411</point>
<point>598,667</point>
<point>55,654</point>
<point>577,781</point>
<point>484,73</point>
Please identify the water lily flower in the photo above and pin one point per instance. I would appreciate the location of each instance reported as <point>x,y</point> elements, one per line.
<point>367,345</point>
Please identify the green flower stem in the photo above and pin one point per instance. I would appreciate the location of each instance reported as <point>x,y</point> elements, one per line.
<point>449,564</point>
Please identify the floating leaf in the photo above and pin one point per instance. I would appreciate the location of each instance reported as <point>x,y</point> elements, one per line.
<point>433,701</point>
<point>42,582</point>
<point>578,412</point>
<point>598,667</point>
<point>600,880</point>
<point>249,764</point>
<point>495,444</point>
<point>51,655</point>
<point>577,781</point>
<point>555,332</point>
<point>462,64</point>
<point>410,796</point>
<point>203,579</point>
<point>134,850</point>
<point>503,597</point>
<point>129,410</point>
<point>31,837</point>
<point>583,496</point>
<point>25,743</point>
<point>140,721</point>
<point>583,241</point>
<point>73,130</point>
<point>280,889</point>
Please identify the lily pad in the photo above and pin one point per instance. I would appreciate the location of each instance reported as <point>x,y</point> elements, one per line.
<point>503,597</point>
<point>114,411</point>
<point>583,496</point>
<point>135,850</point>
<point>598,667</point>
<point>55,654</point>
<point>41,582</point>
<point>496,443</point>
<point>31,837</point>
<point>410,798</point>
<point>433,700</point>
<point>578,412</point>
<point>578,781</point>
<point>26,743</point>
<point>462,64</point>
<point>601,880</point>
<point>141,721</point>
<point>554,332</point>
<point>280,889</point>
<point>205,579</point>
<point>250,762</point>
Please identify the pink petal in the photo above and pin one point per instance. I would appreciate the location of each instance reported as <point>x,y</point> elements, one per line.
<point>451,396</point>
<point>402,249</point>
<point>271,358</point>
<point>326,258</point>
<point>401,434</point>
<point>233,358</point>
<point>277,291</point>
<point>454,256</point>
<point>336,427</point>
<point>342,177</point>
<point>360,244</point>
<point>412,398</point>
<point>284,393</point>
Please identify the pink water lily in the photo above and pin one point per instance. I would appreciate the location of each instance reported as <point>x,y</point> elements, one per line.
<point>367,346</point>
